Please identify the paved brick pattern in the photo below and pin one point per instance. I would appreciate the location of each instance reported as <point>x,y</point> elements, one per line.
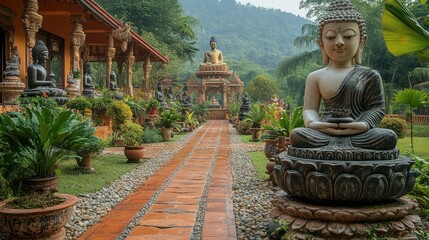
<point>173,215</point>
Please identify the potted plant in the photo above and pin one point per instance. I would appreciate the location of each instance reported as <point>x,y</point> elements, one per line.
<point>32,143</point>
<point>132,134</point>
<point>137,107</point>
<point>167,121</point>
<point>153,106</point>
<point>256,116</point>
<point>278,133</point>
<point>281,127</point>
<point>233,109</point>
<point>91,149</point>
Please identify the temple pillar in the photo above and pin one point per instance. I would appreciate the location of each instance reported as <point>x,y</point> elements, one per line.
<point>225,96</point>
<point>110,55</point>
<point>120,64</point>
<point>31,21</point>
<point>147,66</point>
<point>78,38</point>
<point>130,61</point>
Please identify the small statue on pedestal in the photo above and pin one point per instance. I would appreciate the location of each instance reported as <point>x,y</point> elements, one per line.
<point>114,87</point>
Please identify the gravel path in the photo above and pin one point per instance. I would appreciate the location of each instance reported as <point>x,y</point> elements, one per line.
<point>251,195</point>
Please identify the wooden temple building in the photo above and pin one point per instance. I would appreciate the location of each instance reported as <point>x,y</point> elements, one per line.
<point>74,31</point>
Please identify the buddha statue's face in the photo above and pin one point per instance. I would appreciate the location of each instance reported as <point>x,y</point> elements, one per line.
<point>340,40</point>
<point>43,57</point>
<point>213,45</point>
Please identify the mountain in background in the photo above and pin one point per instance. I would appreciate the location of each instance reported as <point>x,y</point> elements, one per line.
<point>245,32</point>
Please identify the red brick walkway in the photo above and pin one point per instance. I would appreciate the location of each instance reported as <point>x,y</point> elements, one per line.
<point>174,213</point>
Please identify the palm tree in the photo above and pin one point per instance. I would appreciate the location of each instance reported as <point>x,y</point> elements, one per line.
<point>414,99</point>
<point>308,40</point>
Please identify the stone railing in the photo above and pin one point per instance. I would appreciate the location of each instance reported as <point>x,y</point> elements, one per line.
<point>417,119</point>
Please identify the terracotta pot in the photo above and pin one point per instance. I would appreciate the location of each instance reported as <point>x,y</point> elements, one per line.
<point>134,153</point>
<point>85,162</point>
<point>270,147</point>
<point>38,223</point>
<point>119,143</point>
<point>256,134</point>
<point>283,143</point>
<point>166,134</point>
<point>39,185</point>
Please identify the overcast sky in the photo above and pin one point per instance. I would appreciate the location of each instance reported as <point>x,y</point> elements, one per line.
<point>291,6</point>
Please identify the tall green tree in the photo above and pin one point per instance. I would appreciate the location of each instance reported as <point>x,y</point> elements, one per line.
<point>262,88</point>
<point>165,19</point>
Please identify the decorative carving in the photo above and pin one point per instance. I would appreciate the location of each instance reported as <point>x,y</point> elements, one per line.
<point>123,34</point>
<point>130,62</point>
<point>355,181</point>
<point>110,54</point>
<point>306,219</point>
<point>11,86</point>
<point>78,38</point>
<point>146,69</point>
<point>32,21</point>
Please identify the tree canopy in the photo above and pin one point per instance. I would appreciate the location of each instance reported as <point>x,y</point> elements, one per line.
<point>164,19</point>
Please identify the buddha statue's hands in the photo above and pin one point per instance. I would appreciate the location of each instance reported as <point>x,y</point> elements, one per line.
<point>339,129</point>
<point>311,119</point>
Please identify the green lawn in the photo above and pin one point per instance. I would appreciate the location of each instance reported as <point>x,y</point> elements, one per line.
<point>421,146</point>
<point>259,161</point>
<point>247,138</point>
<point>108,168</point>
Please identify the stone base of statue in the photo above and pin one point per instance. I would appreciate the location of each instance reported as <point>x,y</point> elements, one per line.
<point>88,92</point>
<point>217,114</point>
<point>72,88</point>
<point>11,88</point>
<point>59,95</point>
<point>344,175</point>
<point>216,71</point>
<point>314,220</point>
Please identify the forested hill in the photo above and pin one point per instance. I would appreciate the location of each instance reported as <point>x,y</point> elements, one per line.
<point>245,32</point>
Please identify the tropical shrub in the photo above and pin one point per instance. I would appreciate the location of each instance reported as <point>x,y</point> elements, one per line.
<point>256,116</point>
<point>32,143</point>
<point>119,112</point>
<point>131,133</point>
<point>151,136</point>
<point>79,104</point>
<point>398,125</point>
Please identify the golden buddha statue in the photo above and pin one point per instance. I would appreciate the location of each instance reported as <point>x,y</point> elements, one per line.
<point>213,56</point>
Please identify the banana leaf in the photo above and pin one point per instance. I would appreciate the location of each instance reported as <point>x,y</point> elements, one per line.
<point>402,33</point>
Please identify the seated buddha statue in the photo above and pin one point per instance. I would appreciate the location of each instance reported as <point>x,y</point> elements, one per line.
<point>88,86</point>
<point>38,85</point>
<point>352,95</point>
<point>213,56</point>
<point>114,87</point>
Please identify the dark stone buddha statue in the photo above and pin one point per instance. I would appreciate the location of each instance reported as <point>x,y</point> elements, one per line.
<point>88,86</point>
<point>185,99</point>
<point>160,97</point>
<point>114,87</point>
<point>38,85</point>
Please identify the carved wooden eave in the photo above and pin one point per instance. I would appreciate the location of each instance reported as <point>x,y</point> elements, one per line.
<point>123,34</point>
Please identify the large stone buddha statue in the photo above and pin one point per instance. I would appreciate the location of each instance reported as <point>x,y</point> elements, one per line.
<point>213,56</point>
<point>343,140</point>
<point>38,85</point>
<point>352,95</point>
